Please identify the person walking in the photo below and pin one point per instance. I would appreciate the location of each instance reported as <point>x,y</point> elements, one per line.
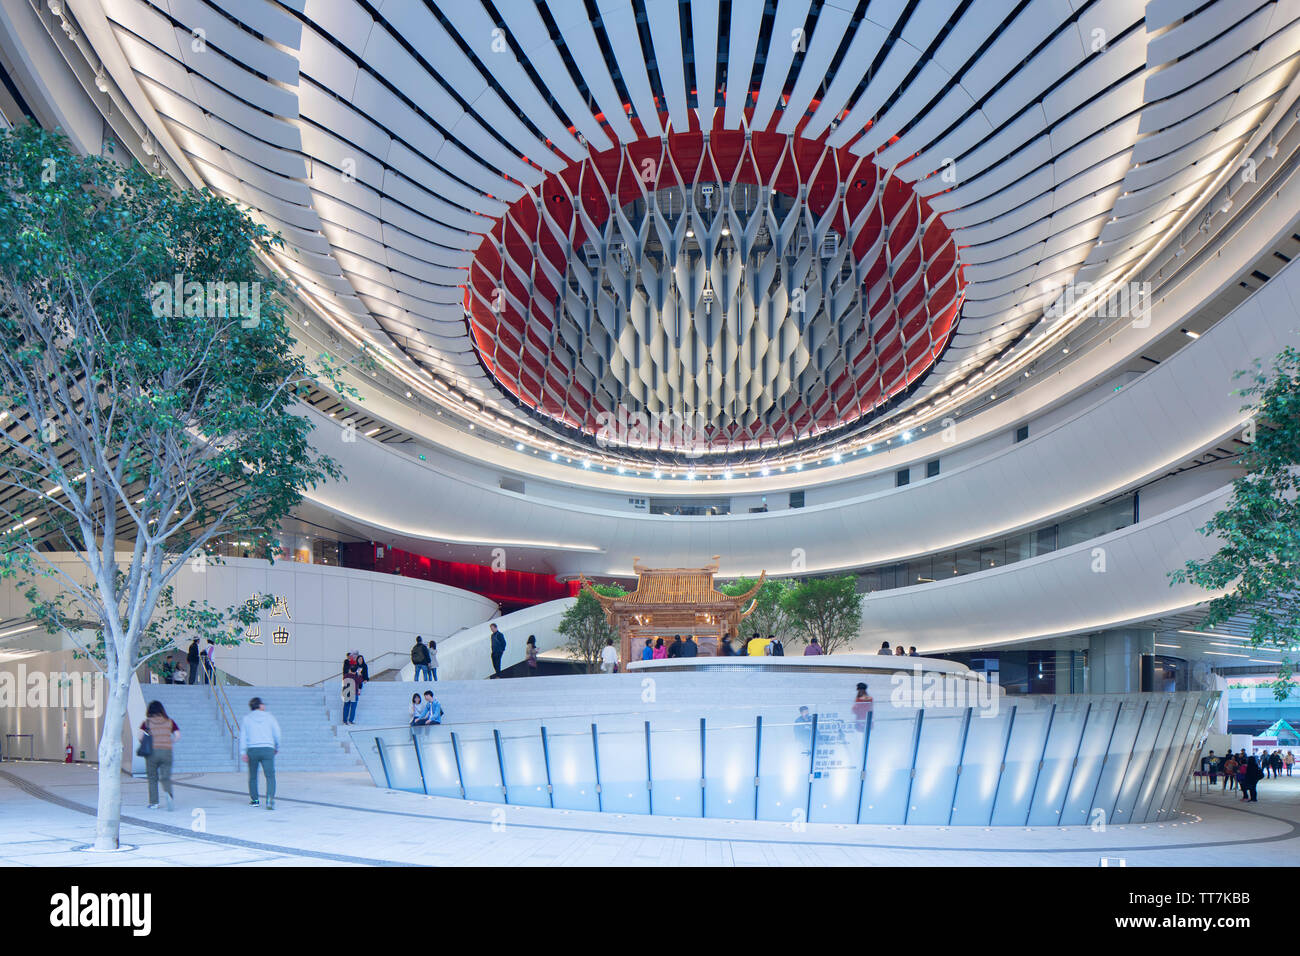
<point>861,707</point>
<point>814,649</point>
<point>498,648</point>
<point>163,734</point>
<point>420,658</point>
<point>1229,772</point>
<point>192,660</point>
<point>530,655</point>
<point>1288,761</point>
<point>608,657</point>
<point>1251,780</point>
<point>1210,766</point>
<point>259,742</point>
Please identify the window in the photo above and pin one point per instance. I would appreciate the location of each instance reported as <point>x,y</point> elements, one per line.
<point>932,469</point>
<point>1022,433</point>
<point>512,484</point>
<point>796,499</point>
<point>903,476</point>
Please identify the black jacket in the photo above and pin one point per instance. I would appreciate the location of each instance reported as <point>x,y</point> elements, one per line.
<point>689,649</point>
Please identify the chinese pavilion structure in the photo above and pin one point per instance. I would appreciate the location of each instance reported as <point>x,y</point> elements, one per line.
<point>671,601</point>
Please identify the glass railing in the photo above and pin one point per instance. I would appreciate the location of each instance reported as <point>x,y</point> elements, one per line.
<point>1037,761</point>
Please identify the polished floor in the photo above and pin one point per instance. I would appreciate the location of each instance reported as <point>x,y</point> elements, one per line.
<point>342,819</point>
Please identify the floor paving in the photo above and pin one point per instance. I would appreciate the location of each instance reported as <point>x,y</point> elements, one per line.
<point>342,819</point>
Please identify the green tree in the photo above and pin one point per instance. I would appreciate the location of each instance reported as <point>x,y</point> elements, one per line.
<point>770,615</point>
<point>1259,559</point>
<point>147,383</point>
<point>584,626</point>
<point>829,609</point>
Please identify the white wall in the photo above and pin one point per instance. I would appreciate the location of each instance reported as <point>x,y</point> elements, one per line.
<point>332,610</point>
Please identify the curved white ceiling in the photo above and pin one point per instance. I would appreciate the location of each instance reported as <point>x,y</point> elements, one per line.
<point>1058,143</point>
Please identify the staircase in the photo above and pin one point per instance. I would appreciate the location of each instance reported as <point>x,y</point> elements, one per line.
<point>309,734</point>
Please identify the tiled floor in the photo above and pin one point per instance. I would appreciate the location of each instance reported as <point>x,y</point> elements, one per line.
<point>342,819</point>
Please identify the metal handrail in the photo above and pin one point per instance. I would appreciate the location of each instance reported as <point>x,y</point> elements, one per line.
<point>217,689</point>
<point>405,655</point>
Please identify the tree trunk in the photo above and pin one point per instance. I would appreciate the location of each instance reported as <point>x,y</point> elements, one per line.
<point>108,817</point>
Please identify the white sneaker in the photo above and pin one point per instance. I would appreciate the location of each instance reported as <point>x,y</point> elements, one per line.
<point>153,806</point>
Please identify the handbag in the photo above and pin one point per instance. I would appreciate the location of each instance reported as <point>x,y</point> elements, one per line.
<point>146,745</point>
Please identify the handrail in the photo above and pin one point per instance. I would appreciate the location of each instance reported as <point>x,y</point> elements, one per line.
<point>217,690</point>
<point>405,655</point>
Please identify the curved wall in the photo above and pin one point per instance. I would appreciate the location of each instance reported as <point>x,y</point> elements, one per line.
<point>1167,416</point>
<point>330,611</point>
<point>994,761</point>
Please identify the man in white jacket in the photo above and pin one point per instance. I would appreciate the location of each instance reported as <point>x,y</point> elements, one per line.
<point>259,742</point>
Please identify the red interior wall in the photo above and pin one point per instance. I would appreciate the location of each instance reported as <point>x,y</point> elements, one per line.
<point>504,587</point>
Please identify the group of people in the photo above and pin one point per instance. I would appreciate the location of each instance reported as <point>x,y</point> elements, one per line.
<point>199,665</point>
<point>259,742</point>
<point>1243,773</point>
<point>355,675</point>
<point>656,649</point>
<point>896,652</point>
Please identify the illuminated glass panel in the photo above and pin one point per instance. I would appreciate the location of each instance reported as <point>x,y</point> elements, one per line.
<point>1058,760</point>
<point>525,767</point>
<point>675,765</point>
<point>936,766</point>
<point>622,764</point>
<point>438,761</point>
<point>1102,720</point>
<point>783,767</point>
<point>986,739</point>
<point>1028,734</point>
<point>573,763</point>
<point>889,765</point>
<point>730,757</point>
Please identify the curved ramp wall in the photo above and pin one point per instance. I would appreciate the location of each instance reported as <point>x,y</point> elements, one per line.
<point>327,611</point>
<point>994,761</point>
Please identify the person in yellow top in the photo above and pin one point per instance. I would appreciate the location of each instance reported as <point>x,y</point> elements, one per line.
<point>757,646</point>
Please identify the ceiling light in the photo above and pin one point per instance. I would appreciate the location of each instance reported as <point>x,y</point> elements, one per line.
<point>690,233</point>
<point>659,474</point>
<point>554,456</point>
<point>586,464</point>
<point>519,446</point>
<point>907,436</point>
<point>1190,334</point>
<point>726,231</point>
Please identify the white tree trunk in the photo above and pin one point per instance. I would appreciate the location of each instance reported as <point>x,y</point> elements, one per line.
<point>108,818</point>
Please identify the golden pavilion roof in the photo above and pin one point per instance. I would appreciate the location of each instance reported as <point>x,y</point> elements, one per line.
<point>676,586</point>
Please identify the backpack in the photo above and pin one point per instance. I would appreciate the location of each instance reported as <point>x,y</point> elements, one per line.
<point>778,649</point>
<point>420,654</point>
